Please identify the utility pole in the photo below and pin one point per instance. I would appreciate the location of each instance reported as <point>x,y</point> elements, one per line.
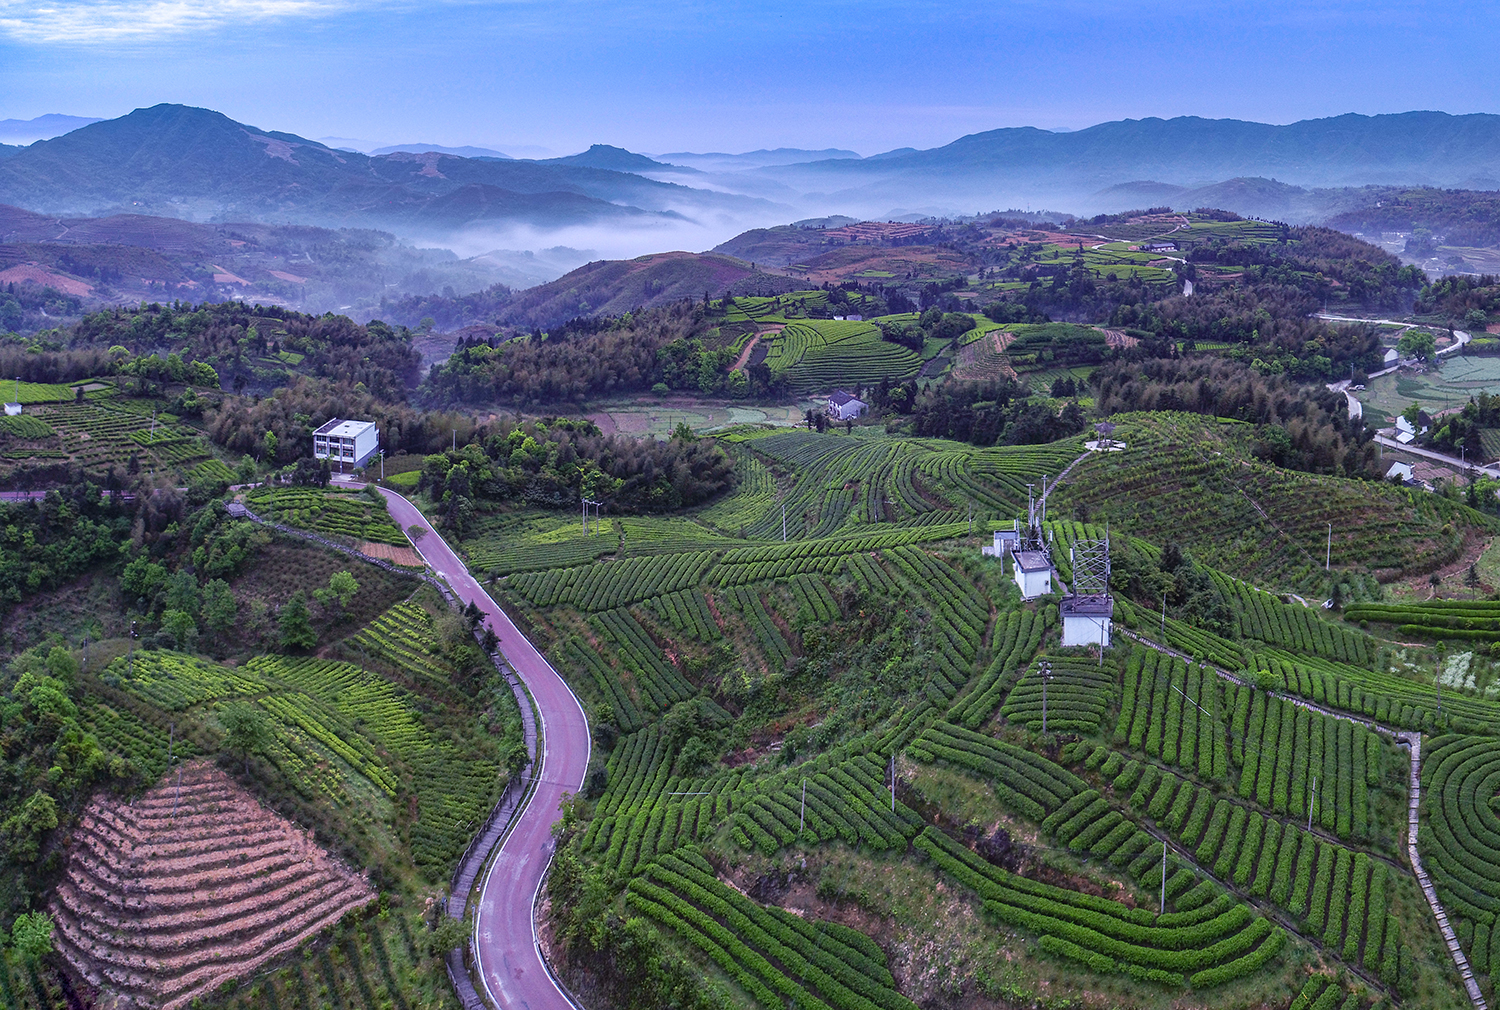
<point>1164,875</point>
<point>1046,673</point>
<point>802,817</point>
<point>783,520</point>
<point>1311,797</point>
<point>455,439</point>
<point>132,650</point>
<point>893,782</point>
<point>1328,558</point>
<point>1163,613</point>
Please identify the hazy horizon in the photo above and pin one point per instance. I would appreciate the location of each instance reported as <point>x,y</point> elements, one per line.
<point>675,76</point>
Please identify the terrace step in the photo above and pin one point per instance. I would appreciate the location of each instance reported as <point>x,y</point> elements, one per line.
<point>165,898</point>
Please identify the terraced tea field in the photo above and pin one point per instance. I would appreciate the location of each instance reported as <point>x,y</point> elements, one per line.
<point>351,515</point>
<point>100,433</point>
<point>1187,479</point>
<point>1153,841</point>
<point>820,355</point>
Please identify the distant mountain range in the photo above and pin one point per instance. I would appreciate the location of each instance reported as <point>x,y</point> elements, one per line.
<point>1010,167</point>
<point>26,131</point>
<point>179,161</point>
<point>457,152</point>
<point>196,164</point>
<point>715,162</point>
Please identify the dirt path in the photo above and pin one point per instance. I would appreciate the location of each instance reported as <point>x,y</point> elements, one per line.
<point>749,348</point>
<point>744,357</point>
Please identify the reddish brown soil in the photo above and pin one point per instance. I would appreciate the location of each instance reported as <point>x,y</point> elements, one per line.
<point>985,358</point>
<point>400,555</point>
<point>167,897</point>
<point>24,272</point>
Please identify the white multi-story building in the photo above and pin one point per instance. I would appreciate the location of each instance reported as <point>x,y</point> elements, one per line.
<point>351,443</point>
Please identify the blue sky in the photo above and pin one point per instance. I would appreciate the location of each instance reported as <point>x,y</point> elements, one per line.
<point>734,75</point>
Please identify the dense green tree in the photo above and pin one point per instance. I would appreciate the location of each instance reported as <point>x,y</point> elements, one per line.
<point>179,624</point>
<point>1418,344</point>
<point>31,936</point>
<point>344,587</point>
<point>220,608</point>
<point>296,623</point>
<point>246,732</point>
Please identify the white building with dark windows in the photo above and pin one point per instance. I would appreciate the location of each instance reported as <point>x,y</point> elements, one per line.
<point>350,443</point>
<point>843,405</point>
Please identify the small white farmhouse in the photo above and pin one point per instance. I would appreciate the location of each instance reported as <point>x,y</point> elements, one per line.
<point>843,405</point>
<point>1392,356</point>
<point>352,442</point>
<point>1399,471</point>
<point>1033,573</point>
<point>12,409</point>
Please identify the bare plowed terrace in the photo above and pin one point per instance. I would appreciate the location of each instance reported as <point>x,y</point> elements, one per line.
<point>169,896</point>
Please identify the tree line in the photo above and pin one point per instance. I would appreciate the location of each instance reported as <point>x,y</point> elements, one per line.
<point>1299,427</point>
<point>553,462</point>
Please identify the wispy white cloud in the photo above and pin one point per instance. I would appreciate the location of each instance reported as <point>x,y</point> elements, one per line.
<point>104,22</point>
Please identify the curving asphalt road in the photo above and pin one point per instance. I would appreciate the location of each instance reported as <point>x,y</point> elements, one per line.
<point>505,944</point>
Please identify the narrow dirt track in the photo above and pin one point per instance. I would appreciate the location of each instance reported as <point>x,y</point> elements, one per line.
<point>505,945</point>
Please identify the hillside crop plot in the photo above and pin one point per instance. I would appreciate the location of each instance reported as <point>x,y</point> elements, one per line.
<point>877,631</point>
<point>660,416</point>
<point>1190,479</point>
<point>289,869</point>
<point>350,514</point>
<point>100,432</point>
<point>194,921</point>
<point>819,355</point>
<point>1450,384</point>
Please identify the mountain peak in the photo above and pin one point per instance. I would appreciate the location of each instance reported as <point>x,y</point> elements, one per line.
<point>615,159</point>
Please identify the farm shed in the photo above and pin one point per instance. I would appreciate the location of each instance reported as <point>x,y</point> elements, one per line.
<point>843,405</point>
<point>1086,619</point>
<point>352,442</point>
<point>1399,471</point>
<point>1033,574</point>
<point>12,409</point>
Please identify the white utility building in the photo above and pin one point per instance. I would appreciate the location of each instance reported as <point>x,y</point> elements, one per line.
<point>1005,543</point>
<point>348,442</point>
<point>1033,573</point>
<point>12,409</point>
<point>1086,619</point>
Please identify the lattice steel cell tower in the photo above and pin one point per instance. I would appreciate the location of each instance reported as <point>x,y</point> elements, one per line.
<point>1033,553</point>
<point>1087,612</point>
